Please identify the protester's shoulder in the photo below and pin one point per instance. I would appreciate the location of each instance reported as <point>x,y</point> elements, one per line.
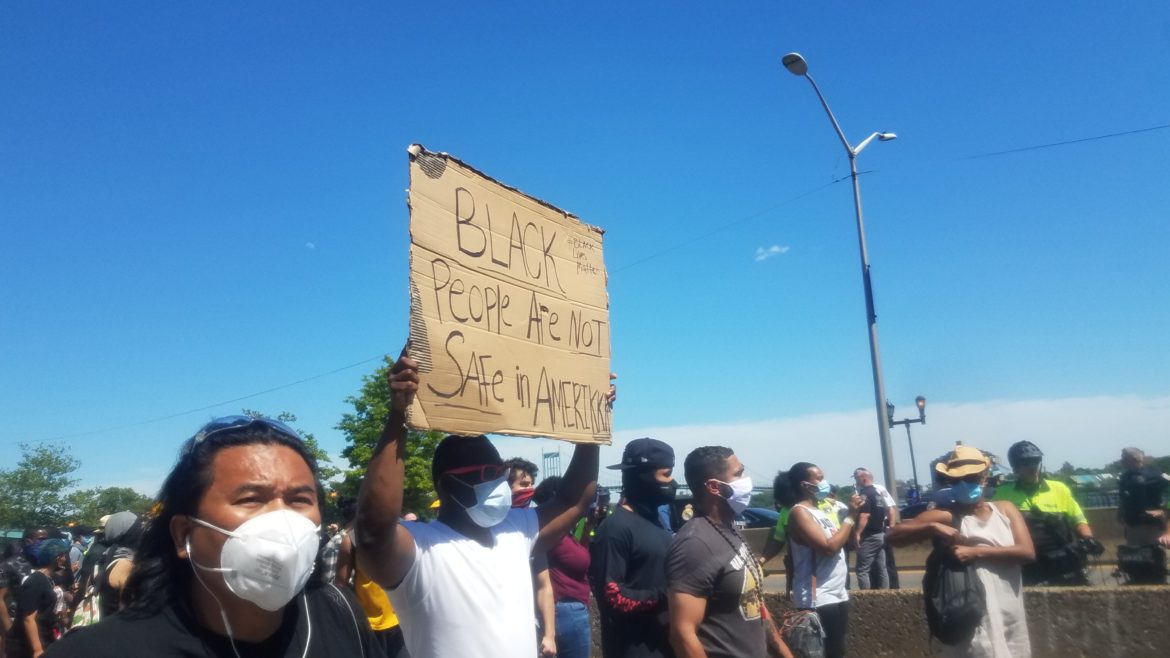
<point>696,537</point>
<point>427,532</point>
<point>122,636</point>
<point>1007,508</point>
<point>336,604</point>
<point>615,525</point>
<point>524,520</point>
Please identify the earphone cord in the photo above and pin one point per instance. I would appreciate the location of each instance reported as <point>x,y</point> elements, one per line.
<point>227,625</point>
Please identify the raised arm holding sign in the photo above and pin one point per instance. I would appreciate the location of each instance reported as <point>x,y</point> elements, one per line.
<point>509,334</point>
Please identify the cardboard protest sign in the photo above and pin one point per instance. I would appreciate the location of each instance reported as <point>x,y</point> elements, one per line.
<point>509,316</point>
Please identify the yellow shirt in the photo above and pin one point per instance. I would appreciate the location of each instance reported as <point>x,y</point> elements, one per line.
<point>1050,497</point>
<point>374,601</point>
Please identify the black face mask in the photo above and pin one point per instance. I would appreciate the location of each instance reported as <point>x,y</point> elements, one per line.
<point>646,496</point>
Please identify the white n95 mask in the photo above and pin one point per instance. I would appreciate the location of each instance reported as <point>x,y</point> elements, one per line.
<point>268,559</point>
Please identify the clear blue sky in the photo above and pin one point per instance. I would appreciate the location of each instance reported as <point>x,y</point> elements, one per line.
<point>201,201</point>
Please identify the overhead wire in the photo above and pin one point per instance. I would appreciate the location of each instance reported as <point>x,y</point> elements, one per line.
<point>674,247</point>
<point>178,414</point>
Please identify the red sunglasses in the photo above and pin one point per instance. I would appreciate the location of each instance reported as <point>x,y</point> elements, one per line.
<point>486,472</point>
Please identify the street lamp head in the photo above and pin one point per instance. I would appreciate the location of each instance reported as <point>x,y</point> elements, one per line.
<point>921,402</point>
<point>890,411</point>
<point>795,64</point>
<point>885,137</point>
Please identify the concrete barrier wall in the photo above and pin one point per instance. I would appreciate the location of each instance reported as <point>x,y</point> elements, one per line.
<point>1062,622</point>
<point>1126,622</point>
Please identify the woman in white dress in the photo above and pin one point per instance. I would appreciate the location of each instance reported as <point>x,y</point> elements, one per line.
<point>995,539</point>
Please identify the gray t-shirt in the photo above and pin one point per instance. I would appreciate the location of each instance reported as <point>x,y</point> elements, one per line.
<point>703,563</point>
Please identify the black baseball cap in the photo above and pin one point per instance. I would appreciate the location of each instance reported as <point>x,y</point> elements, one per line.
<point>647,453</point>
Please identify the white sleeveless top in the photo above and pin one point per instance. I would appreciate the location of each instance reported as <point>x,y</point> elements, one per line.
<point>831,570</point>
<point>1003,632</point>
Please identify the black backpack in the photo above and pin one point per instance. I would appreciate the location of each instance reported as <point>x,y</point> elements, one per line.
<point>1142,565</point>
<point>955,603</point>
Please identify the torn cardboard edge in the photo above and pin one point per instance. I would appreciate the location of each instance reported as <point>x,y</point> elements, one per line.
<point>417,150</point>
<point>416,416</point>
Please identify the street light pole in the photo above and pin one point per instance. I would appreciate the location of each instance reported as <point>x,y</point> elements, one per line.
<point>799,67</point>
<point>921,402</point>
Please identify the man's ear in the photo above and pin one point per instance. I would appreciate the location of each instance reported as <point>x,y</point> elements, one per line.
<point>712,487</point>
<point>181,526</point>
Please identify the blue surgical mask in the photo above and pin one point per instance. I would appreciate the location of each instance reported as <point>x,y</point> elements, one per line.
<point>823,489</point>
<point>967,493</point>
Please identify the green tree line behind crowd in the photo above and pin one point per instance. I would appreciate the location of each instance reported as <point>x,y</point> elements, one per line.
<point>41,489</point>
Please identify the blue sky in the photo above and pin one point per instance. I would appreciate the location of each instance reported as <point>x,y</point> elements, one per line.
<point>200,202</point>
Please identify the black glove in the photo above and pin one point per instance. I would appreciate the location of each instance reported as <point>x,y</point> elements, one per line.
<point>1091,546</point>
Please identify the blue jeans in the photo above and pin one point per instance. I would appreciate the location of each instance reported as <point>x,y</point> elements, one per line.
<point>574,636</point>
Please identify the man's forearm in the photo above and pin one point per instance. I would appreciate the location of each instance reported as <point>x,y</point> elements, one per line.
<point>775,642</point>
<point>33,634</point>
<point>379,504</point>
<point>5,620</point>
<point>686,643</point>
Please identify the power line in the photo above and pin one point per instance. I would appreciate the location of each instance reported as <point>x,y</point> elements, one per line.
<point>724,227</point>
<point>977,156</point>
<point>662,252</point>
<point>1064,143</point>
<point>159,419</point>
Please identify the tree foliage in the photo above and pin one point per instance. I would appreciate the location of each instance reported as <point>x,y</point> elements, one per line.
<point>362,429</point>
<point>87,506</point>
<point>325,465</point>
<point>33,493</point>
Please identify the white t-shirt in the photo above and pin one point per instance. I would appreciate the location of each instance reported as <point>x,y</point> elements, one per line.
<point>885,494</point>
<point>461,599</point>
<point>831,570</point>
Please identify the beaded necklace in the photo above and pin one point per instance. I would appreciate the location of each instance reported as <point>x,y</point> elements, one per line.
<point>753,564</point>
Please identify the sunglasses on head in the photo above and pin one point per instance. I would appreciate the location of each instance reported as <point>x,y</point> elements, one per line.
<point>485,472</point>
<point>233,423</point>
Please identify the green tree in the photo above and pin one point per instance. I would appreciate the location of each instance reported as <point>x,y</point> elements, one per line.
<point>362,430</point>
<point>33,493</point>
<point>324,463</point>
<point>89,505</point>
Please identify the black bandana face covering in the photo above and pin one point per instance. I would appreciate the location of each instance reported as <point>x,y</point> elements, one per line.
<point>646,496</point>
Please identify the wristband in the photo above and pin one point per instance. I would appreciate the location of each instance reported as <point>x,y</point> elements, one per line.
<point>849,520</point>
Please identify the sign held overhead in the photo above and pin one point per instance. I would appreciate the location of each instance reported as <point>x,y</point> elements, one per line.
<point>509,315</point>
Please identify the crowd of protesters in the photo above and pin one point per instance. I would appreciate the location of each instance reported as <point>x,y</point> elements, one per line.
<point>57,578</point>
<point>233,562</point>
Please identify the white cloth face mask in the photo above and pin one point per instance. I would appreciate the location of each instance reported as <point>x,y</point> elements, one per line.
<point>493,500</point>
<point>741,494</point>
<point>268,559</point>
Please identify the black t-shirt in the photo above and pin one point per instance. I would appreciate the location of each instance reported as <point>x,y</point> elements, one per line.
<point>875,506</point>
<point>703,563</point>
<point>627,574</point>
<point>339,629</point>
<point>33,596</point>
<point>1140,491</point>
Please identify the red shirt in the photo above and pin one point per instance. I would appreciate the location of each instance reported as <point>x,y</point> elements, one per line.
<point>568,568</point>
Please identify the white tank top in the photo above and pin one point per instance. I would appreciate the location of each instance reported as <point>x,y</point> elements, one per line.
<point>831,570</point>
